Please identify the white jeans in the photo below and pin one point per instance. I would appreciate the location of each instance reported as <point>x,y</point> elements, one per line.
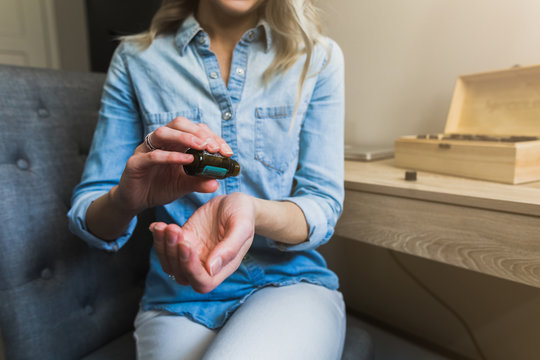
<point>300,321</point>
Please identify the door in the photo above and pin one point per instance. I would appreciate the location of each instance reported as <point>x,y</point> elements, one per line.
<point>28,34</point>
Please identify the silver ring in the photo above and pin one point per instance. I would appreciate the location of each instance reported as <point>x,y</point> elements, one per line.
<point>148,143</point>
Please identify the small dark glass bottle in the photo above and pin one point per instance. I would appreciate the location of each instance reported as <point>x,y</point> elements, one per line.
<point>210,165</point>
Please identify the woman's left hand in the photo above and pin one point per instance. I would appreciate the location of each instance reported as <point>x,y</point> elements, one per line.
<point>211,244</point>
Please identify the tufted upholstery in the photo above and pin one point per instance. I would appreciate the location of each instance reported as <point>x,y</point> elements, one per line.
<point>60,299</point>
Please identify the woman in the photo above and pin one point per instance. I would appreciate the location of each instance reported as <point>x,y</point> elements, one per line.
<point>233,273</point>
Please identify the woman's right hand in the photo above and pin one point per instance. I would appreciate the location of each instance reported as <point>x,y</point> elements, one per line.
<point>157,177</point>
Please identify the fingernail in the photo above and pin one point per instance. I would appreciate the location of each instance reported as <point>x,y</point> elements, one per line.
<point>215,266</point>
<point>185,250</point>
<point>158,227</point>
<point>213,147</point>
<point>225,149</point>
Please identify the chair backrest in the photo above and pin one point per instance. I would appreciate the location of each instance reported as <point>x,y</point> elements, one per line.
<point>59,299</point>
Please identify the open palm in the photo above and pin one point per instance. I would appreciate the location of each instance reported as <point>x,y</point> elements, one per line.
<point>211,244</point>
<point>223,227</point>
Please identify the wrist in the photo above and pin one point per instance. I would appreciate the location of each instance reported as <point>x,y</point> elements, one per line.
<point>257,211</point>
<point>120,206</point>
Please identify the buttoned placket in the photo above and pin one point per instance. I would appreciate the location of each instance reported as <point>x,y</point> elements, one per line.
<point>227,98</point>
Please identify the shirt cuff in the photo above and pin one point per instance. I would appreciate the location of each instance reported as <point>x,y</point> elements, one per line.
<point>77,224</point>
<point>316,221</point>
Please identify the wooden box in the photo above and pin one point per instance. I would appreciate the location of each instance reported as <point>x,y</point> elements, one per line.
<point>492,131</point>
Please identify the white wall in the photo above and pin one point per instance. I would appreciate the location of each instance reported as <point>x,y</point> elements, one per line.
<point>403,57</point>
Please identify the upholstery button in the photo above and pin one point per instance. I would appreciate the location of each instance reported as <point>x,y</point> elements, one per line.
<point>239,71</point>
<point>23,164</point>
<point>226,115</point>
<point>43,112</point>
<point>89,310</point>
<point>46,274</point>
<point>213,75</point>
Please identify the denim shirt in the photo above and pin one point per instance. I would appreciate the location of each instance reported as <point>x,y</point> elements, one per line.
<point>298,160</point>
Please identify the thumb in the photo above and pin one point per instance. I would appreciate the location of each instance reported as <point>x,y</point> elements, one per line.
<point>235,243</point>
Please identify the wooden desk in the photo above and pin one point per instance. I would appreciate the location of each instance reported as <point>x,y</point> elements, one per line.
<point>481,226</point>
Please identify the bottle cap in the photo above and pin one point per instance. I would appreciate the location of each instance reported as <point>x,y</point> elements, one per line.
<point>236,169</point>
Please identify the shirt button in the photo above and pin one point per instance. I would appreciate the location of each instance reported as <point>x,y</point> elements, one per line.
<point>213,75</point>
<point>251,35</point>
<point>201,40</point>
<point>227,115</point>
<point>240,71</point>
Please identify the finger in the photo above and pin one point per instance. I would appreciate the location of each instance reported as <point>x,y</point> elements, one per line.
<point>206,138</point>
<point>211,141</point>
<point>158,157</point>
<point>194,271</point>
<point>220,144</point>
<point>176,251</point>
<point>183,124</point>
<point>201,185</point>
<point>158,233</point>
<point>238,238</point>
<point>225,149</point>
<point>182,280</point>
<point>231,266</point>
<point>169,138</point>
<point>197,276</point>
<point>172,237</point>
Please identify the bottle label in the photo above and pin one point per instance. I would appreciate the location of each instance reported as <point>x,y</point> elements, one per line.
<point>213,171</point>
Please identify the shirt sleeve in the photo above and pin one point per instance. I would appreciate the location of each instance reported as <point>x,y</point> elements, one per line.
<point>319,179</point>
<point>118,132</point>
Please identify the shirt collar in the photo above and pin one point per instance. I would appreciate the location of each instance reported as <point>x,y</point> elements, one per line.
<point>263,24</point>
<point>186,32</point>
<point>190,28</point>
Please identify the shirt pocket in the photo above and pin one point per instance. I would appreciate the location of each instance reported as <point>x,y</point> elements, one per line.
<point>276,137</point>
<point>154,120</point>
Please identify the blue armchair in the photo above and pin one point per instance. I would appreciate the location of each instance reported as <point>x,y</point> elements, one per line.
<point>60,299</point>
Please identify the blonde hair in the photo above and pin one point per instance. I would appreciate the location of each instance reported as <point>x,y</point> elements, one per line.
<point>295,24</point>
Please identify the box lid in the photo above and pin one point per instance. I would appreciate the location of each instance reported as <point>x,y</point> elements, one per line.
<point>503,102</point>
